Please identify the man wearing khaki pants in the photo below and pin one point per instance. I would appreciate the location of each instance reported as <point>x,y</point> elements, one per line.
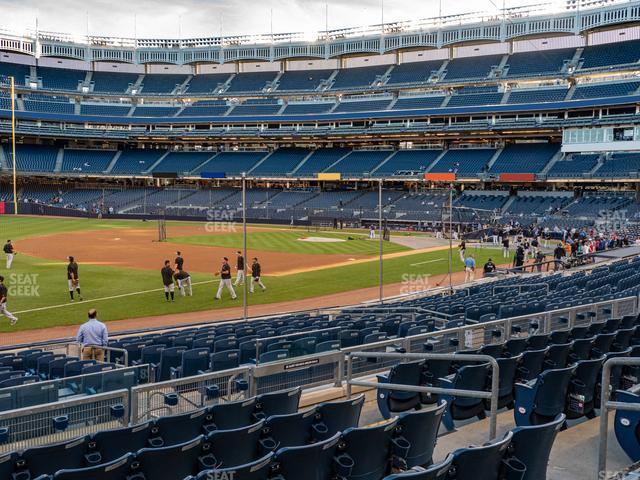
<point>92,336</point>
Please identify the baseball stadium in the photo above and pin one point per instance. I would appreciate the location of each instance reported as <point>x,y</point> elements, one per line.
<point>270,256</point>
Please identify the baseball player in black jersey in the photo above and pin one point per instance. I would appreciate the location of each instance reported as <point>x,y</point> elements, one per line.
<point>10,252</point>
<point>256,271</point>
<point>184,280</point>
<point>72,278</point>
<point>225,279</point>
<point>167,280</point>
<point>4,292</point>
<point>240,268</point>
<point>179,261</point>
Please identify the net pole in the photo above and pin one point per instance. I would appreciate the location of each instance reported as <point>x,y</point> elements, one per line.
<point>245,308</point>
<point>13,145</point>
<point>450,238</point>
<point>380,233</point>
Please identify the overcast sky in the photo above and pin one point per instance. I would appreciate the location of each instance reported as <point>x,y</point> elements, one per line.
<point>192,18</point>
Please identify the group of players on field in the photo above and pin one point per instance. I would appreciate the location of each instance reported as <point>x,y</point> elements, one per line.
<point>181,278</point>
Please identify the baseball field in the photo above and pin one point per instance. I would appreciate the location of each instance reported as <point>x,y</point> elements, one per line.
<point>120,262</point>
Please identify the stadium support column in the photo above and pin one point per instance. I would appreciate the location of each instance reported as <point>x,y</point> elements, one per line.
<point>380,233</point>
<point>450,238</point>
<point>244,245</point>
<point>13,144</point>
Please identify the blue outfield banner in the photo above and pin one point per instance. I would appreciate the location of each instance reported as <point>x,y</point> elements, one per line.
<point>213,175</point>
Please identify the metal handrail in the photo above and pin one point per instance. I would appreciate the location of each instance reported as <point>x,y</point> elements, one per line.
<point>606,404</point>
<point>492,396</point>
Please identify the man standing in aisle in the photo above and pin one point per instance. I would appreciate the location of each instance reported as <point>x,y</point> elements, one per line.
<point>225,280</point>
<point>240,268</point>
<point>72,278</point>
<point>93,336</point>
<point>10,252</point>
<point>4,292</point>
<point>256,271</point>
<point>167,280</point>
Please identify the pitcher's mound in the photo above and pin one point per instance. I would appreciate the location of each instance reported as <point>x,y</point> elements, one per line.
<point>321,239</point>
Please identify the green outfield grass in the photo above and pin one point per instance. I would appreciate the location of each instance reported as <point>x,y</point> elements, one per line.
<point>41,284</point>
<point>289,242</point>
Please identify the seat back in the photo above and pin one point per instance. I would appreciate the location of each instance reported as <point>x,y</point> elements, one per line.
<point>115,470</point>
<point>409,373</point>
<point>311,462</point>
<point>292,430</point>
<point>225,360</point>
<point>481,463</point>
<point>176,461</point>
<point>365,452</point>
<point>195,361</point>
<point>113,444</point>
<point>232,415</point>
<point>236,447</point>
<point>532,446</point>
<point>169,358</point>
<point>438,471</point>
<point>537,342</point>
<point>152,353</point>
<point>283,402</point>
<point>332,417</point>
<point>48,459</point>
<point>531,365</point>
<point>471,377</point>
<point>552,391</point>
<point>177,429</point>
<point>258,470</point>
<point>420,429</point>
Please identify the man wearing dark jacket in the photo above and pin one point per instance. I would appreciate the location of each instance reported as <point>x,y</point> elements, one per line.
<point>240,268</point>
<point>256,271</point>
<point>225,280</point>
<point>167,280</point>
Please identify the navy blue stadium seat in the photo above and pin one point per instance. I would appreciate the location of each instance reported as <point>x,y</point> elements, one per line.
<point>389,401</point>
<point>532,445</point>
<point>438,471</point>
<point>332,417</point>
<point>582,389</point>
<point>282,402</point>
<point>531,364</point>
<point>292,430</point>
<point>365,453</point>
<point>109,445</point>
<point>176,461</point>
<point>468,377</point>
<point>273,356</point>
<point>231,415</point>
<point>239,446</point>
<point>118,469</point>
<point>420,430</point>
<point>482,463</point>
<point>169,358</point>
<point>557,355</point>
<point>48,459</point>
<point>73,369</point>
<point>507,374</point>
<point>194,362</point>
<point>627,425</point>
<point>311,462</point>
<point>542,399</point>
<point>225,360</point>
<point>258,470</point>
<point>176,429</point>
<point>7,463</point>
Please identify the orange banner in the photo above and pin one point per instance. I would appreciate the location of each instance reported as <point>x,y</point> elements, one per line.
<point>517,177</point>
<point>440,177</point>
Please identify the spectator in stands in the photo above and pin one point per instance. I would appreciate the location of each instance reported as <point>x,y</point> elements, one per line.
<point>92,336</point>
<point>558,254</point>
<point>489,268</point>
<point>469,269</point>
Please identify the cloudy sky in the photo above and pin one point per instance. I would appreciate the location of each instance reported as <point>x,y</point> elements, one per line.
<point>192,18</point>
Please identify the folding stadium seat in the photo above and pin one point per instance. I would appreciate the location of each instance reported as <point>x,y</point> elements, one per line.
<point>311,462</point>
<point>290,430</point>
<point>439,471</point>
<point>390,401</point>
<point>485,462</point>
<point>225,360</point>
<point>420,430</point>
<point>391,326</point>
<point>582,389</point>
<point>150,354</point>
<point>365,453</point>
<point>611,325</point>
<point>73,369</point>
<point>176,461</point>
<point>225,344</point>
<point>245,332</point>
<point>627,425</point>
<point>559,336</point>
<point>532,446</point>
<point>109,445</point>
<point>48,459</point>
<point>578,332</point>
<point>432,373</point>
<point>581,349</point>
<point>332,417</point>
<point>602,344</point>
<point>232,415</point>
<point>557,355</point>
<point>469,377</point>
<point>303,346</point>
<point>541,400</point>
<point>531,364</point>
<point>14,361</point>
<point>375,337</point>
<point>118,469</point>
<point>42,368</point>
<point>266,332</point>
<point>31,361</point>
<point>349,337</point>
<point>283,402</point>
<point>258,470</point>
<point>596,328</point>
<point>628,321</point>
<point>204,342</point>
<point>515,346</point>
<point>273,356</point>
<point>176,429</point>
<point>248,349</point>
<point>7,463</point>
<point>622,339</point>
<point>194,362</point>
<point>239,446</point>
<point>537,342</point>
<point>169,358</point>
<point>507,372</point>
